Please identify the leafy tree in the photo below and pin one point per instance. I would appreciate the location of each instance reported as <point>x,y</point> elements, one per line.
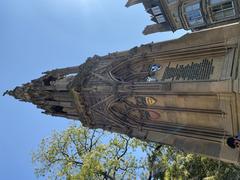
<point>82,153</point>
<point>173,164</point>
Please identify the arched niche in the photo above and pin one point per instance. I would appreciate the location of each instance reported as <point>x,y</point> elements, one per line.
<point>137,70</point>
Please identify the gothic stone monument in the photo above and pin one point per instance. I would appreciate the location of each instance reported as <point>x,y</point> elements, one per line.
<point>183,92</point>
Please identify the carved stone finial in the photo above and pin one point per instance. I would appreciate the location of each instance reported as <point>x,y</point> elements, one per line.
<point>20,93</point>
<point>6,92</point>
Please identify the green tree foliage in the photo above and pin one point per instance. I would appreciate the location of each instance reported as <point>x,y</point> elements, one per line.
<point>168,163</point>
<point>181,165</point>
<point>82,153</point>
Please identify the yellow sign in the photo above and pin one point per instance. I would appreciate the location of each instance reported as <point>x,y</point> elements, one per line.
<point>150,101</point>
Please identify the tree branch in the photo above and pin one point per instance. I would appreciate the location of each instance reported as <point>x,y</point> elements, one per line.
<point>151,160</point>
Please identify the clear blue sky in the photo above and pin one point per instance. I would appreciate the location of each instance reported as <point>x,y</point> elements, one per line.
<point>40,35</point>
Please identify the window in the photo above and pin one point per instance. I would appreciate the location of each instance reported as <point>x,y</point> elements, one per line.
<point>57,109</point>
<point>160,19</point>
<point>171,1</point>
<point>193,14</point>
<point>47,81</point>
<point>222,9</point>
<point>156,10</point>
<point>157,15</point>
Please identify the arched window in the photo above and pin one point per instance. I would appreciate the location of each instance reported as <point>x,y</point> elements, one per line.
<point>57,109</point>
<point>138,71</point>
<point>47,81</point>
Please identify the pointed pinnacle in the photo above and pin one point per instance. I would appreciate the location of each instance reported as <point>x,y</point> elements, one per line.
<point>20,93</point>
<point>6,93</point>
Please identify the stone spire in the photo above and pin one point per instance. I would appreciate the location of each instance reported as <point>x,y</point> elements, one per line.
<point>22,93</point>
<point>51,92</point>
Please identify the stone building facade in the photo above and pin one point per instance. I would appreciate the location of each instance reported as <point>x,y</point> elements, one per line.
<point>171,15</point>
<point>183,92</point>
